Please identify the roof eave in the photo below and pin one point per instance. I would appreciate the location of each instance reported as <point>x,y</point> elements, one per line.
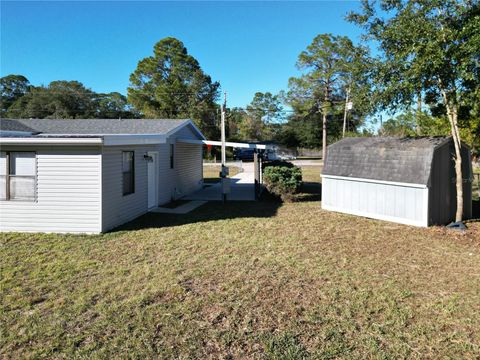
<point>105,140</point>
<point>50,141</point>
<point>134,139</point>
<point>396,183</point>
<point>184,124</point>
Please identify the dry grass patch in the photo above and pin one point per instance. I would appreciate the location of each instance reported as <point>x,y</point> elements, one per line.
<point>244,280</point>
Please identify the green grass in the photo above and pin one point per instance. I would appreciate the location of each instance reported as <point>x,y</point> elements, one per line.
<point>243,280</point>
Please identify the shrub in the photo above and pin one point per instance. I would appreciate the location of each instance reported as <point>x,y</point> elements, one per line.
<point>276,163</point>
<point>282,181</point>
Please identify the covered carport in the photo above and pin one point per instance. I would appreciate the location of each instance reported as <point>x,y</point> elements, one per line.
<point>243,186</point>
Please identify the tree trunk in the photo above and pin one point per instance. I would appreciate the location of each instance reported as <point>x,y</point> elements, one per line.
<point>453,118</point>
<point>324,117</point>
<point>324,138</point>
<point>345,111</point>
<point>419,112</point>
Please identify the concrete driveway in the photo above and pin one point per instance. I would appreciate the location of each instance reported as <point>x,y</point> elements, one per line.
<point>242,188</point>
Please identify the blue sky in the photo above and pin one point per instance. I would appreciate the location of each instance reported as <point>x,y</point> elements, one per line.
<point>246,46</point>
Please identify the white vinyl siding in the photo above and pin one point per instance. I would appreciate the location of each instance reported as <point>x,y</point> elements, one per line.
<point>67,194</point>
<point>167,179</point>
<point>392,202</point>
<point>118,209</point>
<point>189,169</point>
<point>185,178</point>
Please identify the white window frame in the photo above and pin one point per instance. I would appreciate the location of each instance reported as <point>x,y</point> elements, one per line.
<point>8,176</point>
<point>132,172</point>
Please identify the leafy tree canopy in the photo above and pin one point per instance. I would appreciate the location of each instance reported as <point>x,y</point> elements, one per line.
<point>114,105</point>
<point>333,66</point>
<point>60,99</point>
<point>68,100</point>
<point>171,84</point>
<point>12,87</point>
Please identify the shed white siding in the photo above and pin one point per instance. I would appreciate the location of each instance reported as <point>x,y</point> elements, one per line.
<point>393,202</point>
<point>68,193</point>
<point>118,209</point>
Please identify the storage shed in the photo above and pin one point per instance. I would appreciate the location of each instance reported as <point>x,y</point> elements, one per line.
<point>405,180</point>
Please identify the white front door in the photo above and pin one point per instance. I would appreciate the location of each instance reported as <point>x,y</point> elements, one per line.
<point>152,171</point>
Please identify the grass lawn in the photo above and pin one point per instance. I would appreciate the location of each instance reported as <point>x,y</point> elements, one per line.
<point>244,280</point>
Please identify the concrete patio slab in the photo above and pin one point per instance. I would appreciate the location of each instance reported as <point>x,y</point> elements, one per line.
<point>242,188</point>
<point>182,209</point>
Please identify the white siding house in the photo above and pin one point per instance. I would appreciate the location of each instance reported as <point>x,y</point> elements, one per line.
<point>72,176</point>
<point>409,180</point>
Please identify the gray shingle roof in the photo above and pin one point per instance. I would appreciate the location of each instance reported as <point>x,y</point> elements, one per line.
<point>406,160</point>
<point>92,126</point>
<point>14,125</point>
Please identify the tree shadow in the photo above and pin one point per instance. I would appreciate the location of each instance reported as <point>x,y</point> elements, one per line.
<point>211,211</point>
<point>475,209</point>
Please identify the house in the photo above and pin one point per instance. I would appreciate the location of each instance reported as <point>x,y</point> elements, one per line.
<point>405,180</point>
<point>89,176</point>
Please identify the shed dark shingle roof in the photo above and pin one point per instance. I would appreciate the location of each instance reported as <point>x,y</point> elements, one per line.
<point>405,160</point>
<point>92,126</point>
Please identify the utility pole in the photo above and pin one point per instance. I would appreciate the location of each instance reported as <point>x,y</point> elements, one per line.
<point>345,113</point>
<point>224,106</point>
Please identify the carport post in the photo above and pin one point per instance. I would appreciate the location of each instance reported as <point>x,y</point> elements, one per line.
<point>256,172</point>
<point>224,157</point>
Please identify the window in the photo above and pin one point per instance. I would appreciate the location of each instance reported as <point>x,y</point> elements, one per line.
<point>17,175</point>
<point>128,172</point>
<point>172,155</point>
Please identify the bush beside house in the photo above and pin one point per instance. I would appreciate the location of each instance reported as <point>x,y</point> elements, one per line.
<point>283,181</point>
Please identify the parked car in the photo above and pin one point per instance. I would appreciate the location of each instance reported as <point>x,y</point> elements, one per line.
<point>243,154</point>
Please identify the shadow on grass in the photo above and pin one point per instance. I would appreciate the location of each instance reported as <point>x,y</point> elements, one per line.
<point>476,209</point>
<point>310,191</point>
<point>211,211</point>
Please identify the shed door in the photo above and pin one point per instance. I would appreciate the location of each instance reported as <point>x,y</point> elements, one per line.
<point>152,170</point>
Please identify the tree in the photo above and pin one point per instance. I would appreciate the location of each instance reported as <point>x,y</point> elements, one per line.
<point>113,106</point>
<point>12,87</point>
<point>402,125</point>
<point>266,107</point>
<point>264,114</point>
<point>430,47</point>
<point>171,84</point>
<point>333,68</point>
<point>60,100</point>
